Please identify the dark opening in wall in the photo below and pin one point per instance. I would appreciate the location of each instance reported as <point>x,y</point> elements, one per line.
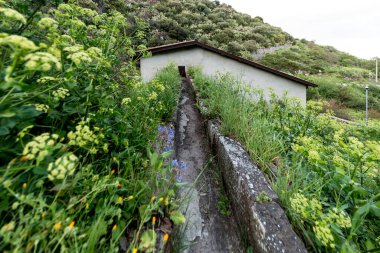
<point>182,71</point>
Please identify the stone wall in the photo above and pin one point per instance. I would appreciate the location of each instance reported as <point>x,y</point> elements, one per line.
<point>254,203</point>
<point>260,53</point>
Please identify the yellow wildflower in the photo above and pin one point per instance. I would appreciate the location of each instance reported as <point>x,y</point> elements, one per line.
<point>24,185</point>
<point>39,145</point>
<point>41,108</point>
<point>314,156</point>
<point>339,161</point>
<point>154,219</point>
<point>83,136</point>
<point>114,86</point>
<point>339,217</point>
<point>94,52</point>
<point>16,41</point>
<point>105,148</point>
<point>125,101</point>
<point>153,96</point>
<point>166,237</point>
<point>46,79</point>
<point>338,135</point>
<point>12,14</point>
<point>71,226</point>
<point>42,61</point>
<point>160,87</point>
<point>120,200</point>
<point>57,226</point>
<point>8,227</point>
<point>60,93</point>
<point>299,203</point>
<point>80,57</point>
<point>93,150</point>
<point>47,23</point>
<point>315,207</point>
<point>324,234</point>
<point>62,167</point>
<point>130,197</point>
<point>114,227</point>
<point>73,49</point>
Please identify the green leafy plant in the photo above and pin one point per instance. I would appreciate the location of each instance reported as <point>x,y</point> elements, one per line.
<point>325,172</point>
<point>77,127</point>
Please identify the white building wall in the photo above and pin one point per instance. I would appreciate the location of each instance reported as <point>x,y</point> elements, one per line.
<point>213,64</point>
<point>151,66</point>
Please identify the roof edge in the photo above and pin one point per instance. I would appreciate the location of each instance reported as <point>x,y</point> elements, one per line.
<point>195,43</point>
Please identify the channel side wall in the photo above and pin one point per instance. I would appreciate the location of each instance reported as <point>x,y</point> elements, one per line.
<point>255,205</point>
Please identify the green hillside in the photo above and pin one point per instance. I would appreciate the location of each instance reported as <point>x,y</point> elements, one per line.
<point>210,22</point>
<point>341,77</point>
<point>337,73</point>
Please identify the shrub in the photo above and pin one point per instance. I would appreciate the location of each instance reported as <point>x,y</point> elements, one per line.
<point>76,133</point>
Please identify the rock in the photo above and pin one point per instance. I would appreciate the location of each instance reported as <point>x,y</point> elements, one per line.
<point>265,223</point>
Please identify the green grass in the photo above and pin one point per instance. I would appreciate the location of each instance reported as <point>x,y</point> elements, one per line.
<point>320,164</point>
<point>257,133</point>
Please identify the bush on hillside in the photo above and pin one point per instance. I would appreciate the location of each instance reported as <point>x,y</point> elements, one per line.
<point>76,133</point>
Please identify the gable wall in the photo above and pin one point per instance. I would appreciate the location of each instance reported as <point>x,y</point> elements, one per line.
<point>213,64</point>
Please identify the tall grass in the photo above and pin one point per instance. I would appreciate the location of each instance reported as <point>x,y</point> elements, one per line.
<point>326,173</point>
<point>232,103</point>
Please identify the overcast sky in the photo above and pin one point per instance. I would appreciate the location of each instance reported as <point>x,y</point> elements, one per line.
<point>352,26</point>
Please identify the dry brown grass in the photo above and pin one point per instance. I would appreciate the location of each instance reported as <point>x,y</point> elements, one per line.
<point>374,114</point>
<point>339,109</point>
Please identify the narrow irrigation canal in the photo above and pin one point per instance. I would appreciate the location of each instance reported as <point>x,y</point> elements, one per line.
<point>207,230</point>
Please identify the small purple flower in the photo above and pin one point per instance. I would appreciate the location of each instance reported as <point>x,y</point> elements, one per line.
<point>161,129</point>
<point>175,163</point>
<point>168,148</point>
<point>183,166</point>
<point>179,179</point>
<point>170,137</point>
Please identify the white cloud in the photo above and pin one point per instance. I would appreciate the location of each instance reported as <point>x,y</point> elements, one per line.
<point>348,25</point>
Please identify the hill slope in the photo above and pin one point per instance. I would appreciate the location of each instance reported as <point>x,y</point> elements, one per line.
<point>337,73</point>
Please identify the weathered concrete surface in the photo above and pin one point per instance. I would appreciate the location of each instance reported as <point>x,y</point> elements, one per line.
<point>212,64</point>
<point>206,229</point>
<point>265,222</point>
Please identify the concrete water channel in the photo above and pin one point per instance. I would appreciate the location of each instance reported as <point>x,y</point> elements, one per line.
<point>206,230</point>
